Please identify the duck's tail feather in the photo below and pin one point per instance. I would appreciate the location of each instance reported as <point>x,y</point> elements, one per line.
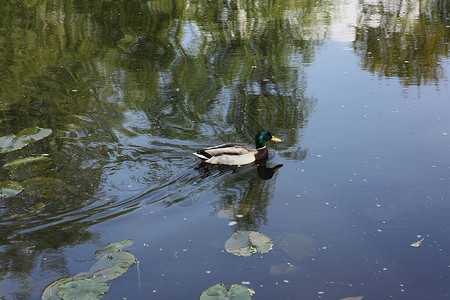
<point>202,154</point>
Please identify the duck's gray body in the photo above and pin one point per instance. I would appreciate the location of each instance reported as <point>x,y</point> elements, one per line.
<point>231,154</point>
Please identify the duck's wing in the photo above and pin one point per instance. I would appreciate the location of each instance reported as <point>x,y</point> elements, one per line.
<point>229,149</point>
<point>228,154</point>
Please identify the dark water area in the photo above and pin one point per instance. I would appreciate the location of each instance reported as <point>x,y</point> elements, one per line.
<point>357,90</point>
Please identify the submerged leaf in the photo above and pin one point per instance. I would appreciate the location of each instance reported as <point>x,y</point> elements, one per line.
<point>35,209</point>
<point>9,189</point>
<point>21,162</point>
<point>245,243</point>
<point>296,245</point>
<point>46,187</point>
<point>219,292</point>
<point>82,289</point>
<point>283,269</point>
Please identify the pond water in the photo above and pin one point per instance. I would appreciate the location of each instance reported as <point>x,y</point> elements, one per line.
<point>357,90</point>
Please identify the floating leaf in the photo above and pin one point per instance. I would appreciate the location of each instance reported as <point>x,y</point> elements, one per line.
<point>22,162</point>
<point>113,246</point>
<point>296,245</point>
<point>111,265</point>
<point>50,291</point>
<point>417,243</point>
<point>7,143</point>
<point>33,134</point>
<point>14,142</point>
<point>91,285</point>
<point>9,189</point>
<point>245,243</point>
<point>353,298</point>
<point>46,187</point>
<point>82,289</point>
<point>219,292</point>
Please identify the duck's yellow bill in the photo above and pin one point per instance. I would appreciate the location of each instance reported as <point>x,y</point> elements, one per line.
<point>275,139</point>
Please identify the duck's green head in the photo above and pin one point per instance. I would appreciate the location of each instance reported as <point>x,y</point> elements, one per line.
<point>264,136</point>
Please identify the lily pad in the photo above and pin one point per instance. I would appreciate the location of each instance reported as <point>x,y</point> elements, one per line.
<point>7,143</point>
<point>219,292</point>
<point>92,284</point>
<point>33,134</point>
<point>111,265</point>
<point>112,246</point>
<point>50,291</point>
<point>14,142</point>
<point>22,162</point>
<point>82,289</point>
<point>9,189</point>
<point>245,243</point>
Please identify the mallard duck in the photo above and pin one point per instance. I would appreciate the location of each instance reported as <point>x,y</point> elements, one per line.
<point>237,154</point>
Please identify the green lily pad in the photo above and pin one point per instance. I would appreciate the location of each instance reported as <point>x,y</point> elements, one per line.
<point>22,162</point>
<point>7,143</point>
<point>82,289</point>
<point>50,291</point>
<point>9,189</point>
<point>92,285</point>
<point>219,292</point>
<point>33,134</point>
<point>245,243</point>
<point>14,142</point>
<point>111,265</point>
<point>46,187</point>
<point>112,246</point>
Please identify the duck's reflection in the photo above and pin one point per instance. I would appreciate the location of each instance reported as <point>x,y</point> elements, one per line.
<point>243,199</point>
<point>264,172</point>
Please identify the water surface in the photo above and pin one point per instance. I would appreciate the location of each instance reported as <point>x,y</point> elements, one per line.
<point>357,90</point>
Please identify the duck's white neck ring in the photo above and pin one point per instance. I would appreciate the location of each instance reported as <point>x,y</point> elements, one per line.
<point>261,148</point>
